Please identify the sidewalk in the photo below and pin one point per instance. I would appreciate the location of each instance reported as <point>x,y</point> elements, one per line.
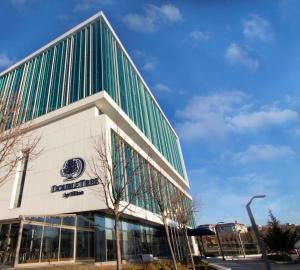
<point>248,264</point>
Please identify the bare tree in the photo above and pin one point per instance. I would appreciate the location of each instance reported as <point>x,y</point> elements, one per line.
<point>157,188</point>
<point>184,215</point>
<point>120,171</point>
<point>16,138</point>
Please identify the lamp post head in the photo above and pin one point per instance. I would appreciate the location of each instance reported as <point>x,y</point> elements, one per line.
<point>259,196</point>
<point>255,197</point>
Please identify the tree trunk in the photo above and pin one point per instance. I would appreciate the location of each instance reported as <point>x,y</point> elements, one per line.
<point>118,241</point>
<point>189,247</point>
<point>170,244</point>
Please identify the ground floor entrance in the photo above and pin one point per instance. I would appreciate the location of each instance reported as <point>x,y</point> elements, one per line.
<point>79,237</point>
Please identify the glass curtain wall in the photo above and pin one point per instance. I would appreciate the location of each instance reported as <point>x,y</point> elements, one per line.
<point>123,153</point>
<point>51,238</point>
<point>8,243</point>
<point>84,63</point>
<point>136,239</point>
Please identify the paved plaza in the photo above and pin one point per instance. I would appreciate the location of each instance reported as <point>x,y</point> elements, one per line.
<point>252,265</point>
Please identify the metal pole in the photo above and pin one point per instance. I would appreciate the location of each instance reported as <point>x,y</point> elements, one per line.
<point>203,249</point>
<point>255,229</point>
<point>220,244</point>
<point>242,246</point>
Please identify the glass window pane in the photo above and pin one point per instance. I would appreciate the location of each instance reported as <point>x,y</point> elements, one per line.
<point>30,244</point>
<point>69,221</point>
<point>53,220</point>
<point>85,245</point>
<point>36,219</point>
<point>50,244</point>
<point>66,245</point>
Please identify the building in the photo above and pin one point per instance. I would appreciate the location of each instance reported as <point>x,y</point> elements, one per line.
<point>229,227</point>
<point>234,237</point>
<point>72,89</point>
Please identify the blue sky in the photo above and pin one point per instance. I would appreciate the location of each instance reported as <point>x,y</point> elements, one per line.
<point>226,73</point>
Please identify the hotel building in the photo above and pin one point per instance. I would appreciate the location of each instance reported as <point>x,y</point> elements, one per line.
<point>71,90</point>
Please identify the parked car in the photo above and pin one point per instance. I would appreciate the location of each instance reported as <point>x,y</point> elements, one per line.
<point>295,255</point>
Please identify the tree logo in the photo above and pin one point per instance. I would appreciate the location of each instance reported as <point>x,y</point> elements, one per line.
<point>72,169</point>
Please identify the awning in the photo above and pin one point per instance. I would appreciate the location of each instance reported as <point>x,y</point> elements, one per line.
<point>200,232</point>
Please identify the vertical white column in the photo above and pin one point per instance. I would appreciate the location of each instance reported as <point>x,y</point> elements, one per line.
<point>18,244</point>
<point>75,240</point>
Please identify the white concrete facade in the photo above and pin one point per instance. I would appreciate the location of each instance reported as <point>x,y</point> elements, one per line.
<point>67,133</point>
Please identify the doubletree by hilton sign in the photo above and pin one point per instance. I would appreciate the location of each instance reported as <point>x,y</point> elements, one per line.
<point>72,169</point>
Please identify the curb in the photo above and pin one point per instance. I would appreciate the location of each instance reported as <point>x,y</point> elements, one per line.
<point>219,267</point>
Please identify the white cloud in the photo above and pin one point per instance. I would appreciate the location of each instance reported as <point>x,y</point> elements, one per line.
<point>150,65</point>
<point>267,152</point>
<point>171,12</point>
<point>255,183</point>
<point>162,87</point>
<point>297,131</point>
<point>264,118</point>
<point>258,28</point>
<point>204,116</point>
<point>199,36</point>
<point>215,116</point>
<point>139,54</point>
<point>220,103</point>
<point>147,61</point>
<point>292,100</point>
<point>84,5</point>
<point>18,3</point>
<point>64,17</point>
<point>152,18</point>
<point>237,56</point>
<point>5,61</point>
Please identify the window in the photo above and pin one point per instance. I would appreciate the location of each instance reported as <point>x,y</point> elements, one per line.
<point>50,244</point>
<point>21,181</point>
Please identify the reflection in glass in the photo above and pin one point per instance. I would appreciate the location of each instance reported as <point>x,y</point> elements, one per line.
<point>50,244</point>
<point>100,252</point>
<point>136,239</point>
<point>85,245</point>
<point>69,221</point>
<point>36,219</point>
<point>85,220</point>
<point>53,219</point>
<point>66,244</point>
<point>4,229</point>
<point>8,243</point>
<point>57,241</point>
<point>30,243</point>
<point>110,245</point>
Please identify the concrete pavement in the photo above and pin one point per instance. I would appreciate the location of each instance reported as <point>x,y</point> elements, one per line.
<point>252,265</point>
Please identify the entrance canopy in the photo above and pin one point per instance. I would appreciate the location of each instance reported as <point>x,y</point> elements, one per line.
<point>200,232</point>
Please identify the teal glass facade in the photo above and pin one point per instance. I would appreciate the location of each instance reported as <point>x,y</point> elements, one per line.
<point>129,164</point>
<point>86,62</point>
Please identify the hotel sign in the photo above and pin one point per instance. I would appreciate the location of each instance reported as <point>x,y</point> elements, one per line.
<point>72,169</point>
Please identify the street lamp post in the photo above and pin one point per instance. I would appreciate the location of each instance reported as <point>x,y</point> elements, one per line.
<point>220,244</point>
<point>255,229</point>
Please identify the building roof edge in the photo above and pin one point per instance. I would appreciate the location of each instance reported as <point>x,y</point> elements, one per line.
<point>53,42</point>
